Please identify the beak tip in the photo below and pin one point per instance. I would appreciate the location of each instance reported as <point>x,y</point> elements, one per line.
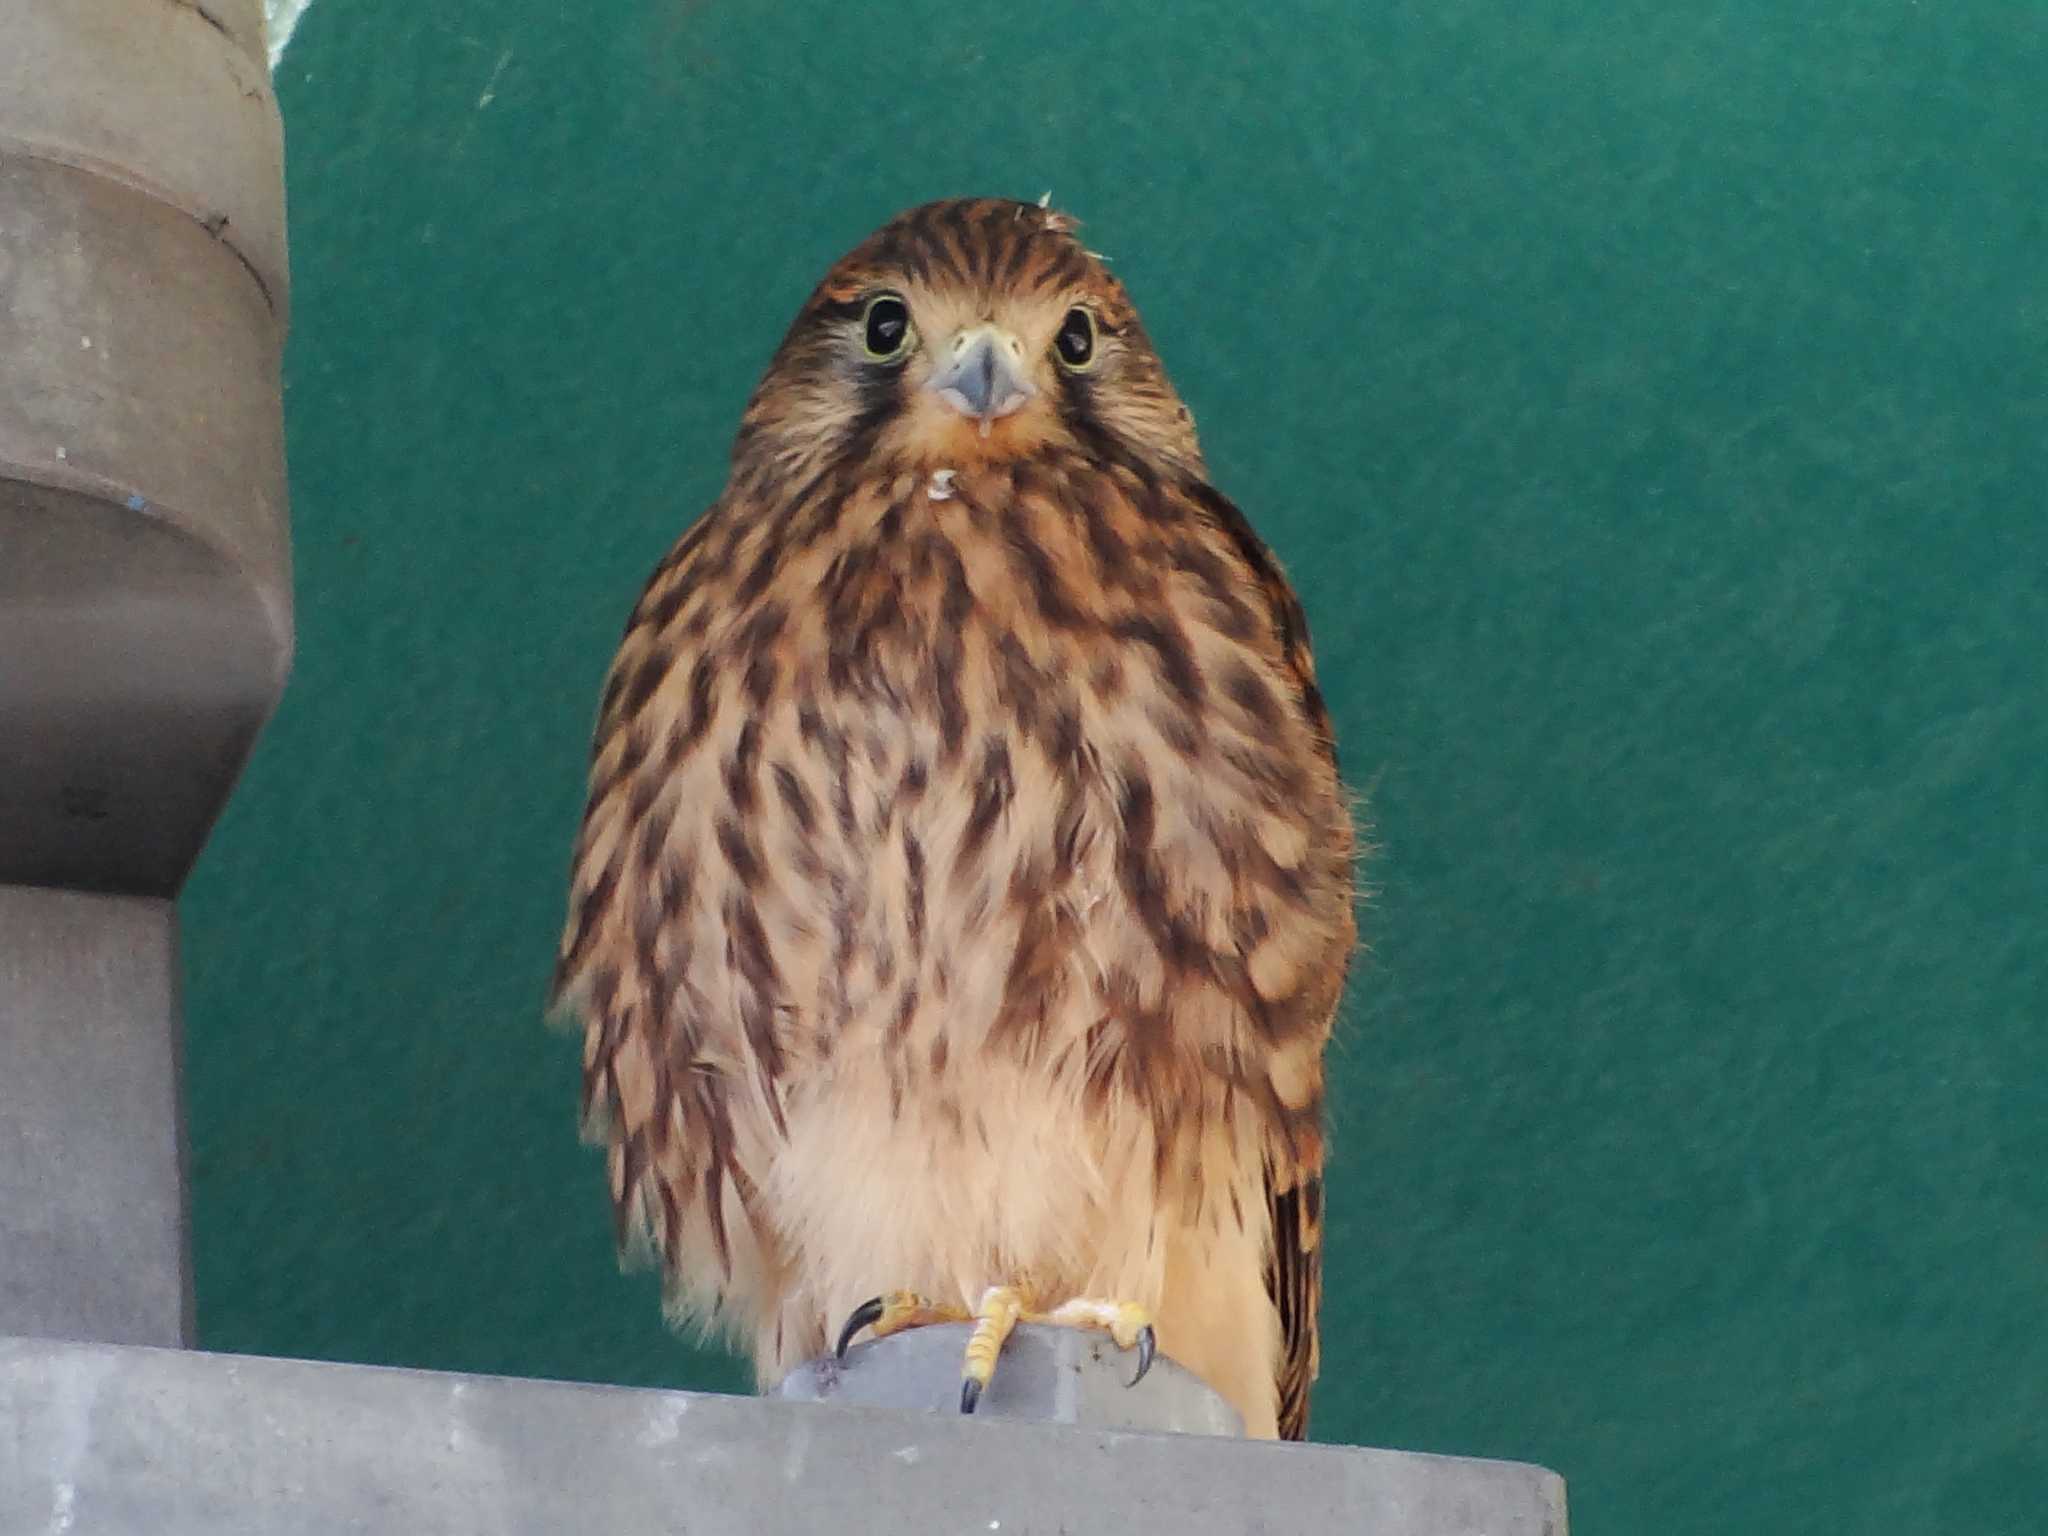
<point>983,379</point>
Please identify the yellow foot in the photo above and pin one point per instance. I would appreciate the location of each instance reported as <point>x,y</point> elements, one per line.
<point>1002,1309</point>
<point>895,1312</point>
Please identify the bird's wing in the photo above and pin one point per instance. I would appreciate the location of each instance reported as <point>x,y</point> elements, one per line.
<point>679,1057</point>
<point>1294,1279</point>
<point>1322,949</point>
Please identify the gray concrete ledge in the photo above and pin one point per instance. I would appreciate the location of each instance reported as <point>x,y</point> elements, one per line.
<point>111,1441</point>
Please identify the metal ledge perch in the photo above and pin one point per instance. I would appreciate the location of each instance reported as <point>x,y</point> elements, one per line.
<point>1052,1375</point>
<point>107,1440</point>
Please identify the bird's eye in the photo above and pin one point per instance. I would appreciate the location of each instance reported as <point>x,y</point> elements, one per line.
<point>1076,340</point>
<point>885,329</point>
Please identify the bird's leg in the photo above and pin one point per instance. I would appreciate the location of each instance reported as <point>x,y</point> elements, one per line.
<point>1002,1309</point>
<point>894,1312</point>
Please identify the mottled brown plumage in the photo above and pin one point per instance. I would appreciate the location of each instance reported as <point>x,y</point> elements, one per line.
<point>964,893</point>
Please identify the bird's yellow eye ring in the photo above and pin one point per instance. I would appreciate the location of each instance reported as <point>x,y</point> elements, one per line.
<point>885,327</point>
<point>1075,342</point>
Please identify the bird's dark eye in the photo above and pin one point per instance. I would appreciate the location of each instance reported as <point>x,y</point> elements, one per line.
<point>1076,340</point>
<point>885,329</point>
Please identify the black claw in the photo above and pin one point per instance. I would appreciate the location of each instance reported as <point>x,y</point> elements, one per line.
<point>1147,1347</point>
<point>970,1394</point>
<point>867,1312</point>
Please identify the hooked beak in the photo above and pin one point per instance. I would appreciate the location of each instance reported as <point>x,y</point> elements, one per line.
<point>982,375</point>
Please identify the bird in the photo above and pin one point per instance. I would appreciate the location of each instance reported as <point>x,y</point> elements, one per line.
<point>965,891</point>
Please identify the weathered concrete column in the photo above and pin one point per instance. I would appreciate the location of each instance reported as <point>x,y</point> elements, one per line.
<point>145,604</point>
<point>92,1207</point>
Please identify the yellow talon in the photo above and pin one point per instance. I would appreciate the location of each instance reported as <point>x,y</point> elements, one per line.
<point>1001,1310</point>
<point>1124,1321</point>
<point>1001,1307</point>
<point>907,1309</point>
<point>895,1312</point>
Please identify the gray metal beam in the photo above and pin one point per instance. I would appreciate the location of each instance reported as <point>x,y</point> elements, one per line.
<point>105,1441</point>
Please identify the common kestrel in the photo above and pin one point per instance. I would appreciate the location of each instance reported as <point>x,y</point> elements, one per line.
<point>964,893</point>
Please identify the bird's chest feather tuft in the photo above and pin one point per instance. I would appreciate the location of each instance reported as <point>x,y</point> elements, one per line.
<point>1017,758</point>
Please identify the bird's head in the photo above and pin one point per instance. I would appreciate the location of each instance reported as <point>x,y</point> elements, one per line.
<point>967,332</point>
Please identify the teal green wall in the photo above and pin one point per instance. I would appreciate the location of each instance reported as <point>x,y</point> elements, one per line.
<point>1650,400</point>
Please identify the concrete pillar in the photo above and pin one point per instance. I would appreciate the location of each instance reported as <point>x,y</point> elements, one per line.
<point>145,604</point>
<point>92,1208</point>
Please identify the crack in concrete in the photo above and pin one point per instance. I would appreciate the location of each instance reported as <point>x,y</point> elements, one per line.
<point>213,21</point>
<point>215,222</point>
